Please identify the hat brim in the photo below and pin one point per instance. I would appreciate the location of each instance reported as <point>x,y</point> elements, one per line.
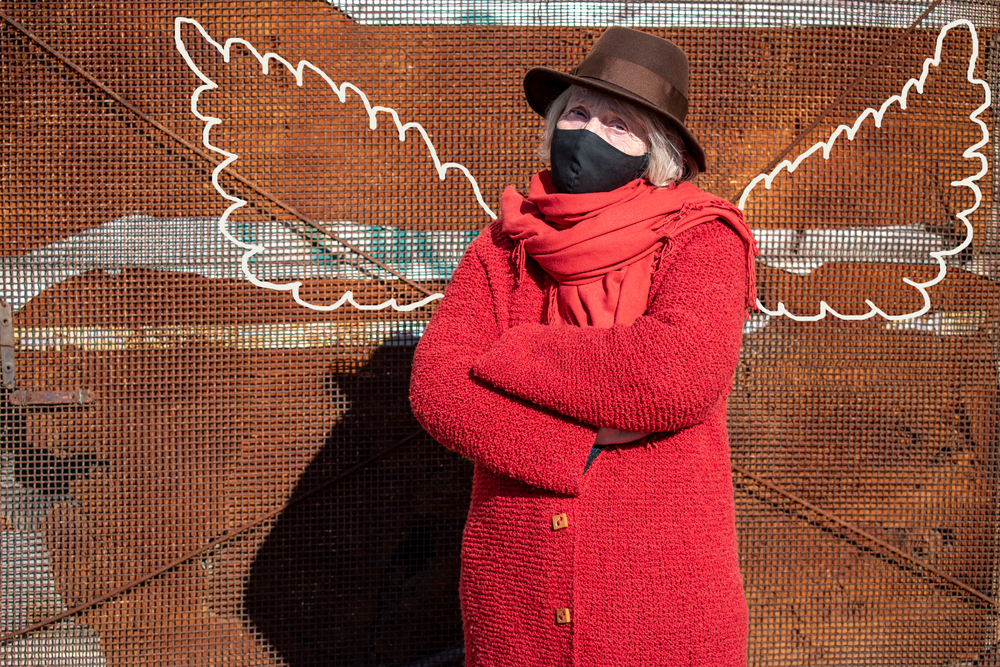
<point>543,85</point>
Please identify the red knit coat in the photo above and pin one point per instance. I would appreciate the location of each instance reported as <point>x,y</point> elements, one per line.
<point>644,563</point>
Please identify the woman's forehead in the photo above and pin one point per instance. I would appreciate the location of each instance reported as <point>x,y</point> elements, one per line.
<point>595,99</point>
<point>592,97</point>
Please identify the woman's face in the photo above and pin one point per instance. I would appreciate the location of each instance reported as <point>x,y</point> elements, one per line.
<point>595,112</point>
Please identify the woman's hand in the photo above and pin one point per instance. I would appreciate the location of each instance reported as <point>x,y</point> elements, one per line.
<point>613,436</point>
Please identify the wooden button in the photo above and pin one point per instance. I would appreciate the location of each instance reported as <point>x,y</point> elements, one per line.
<point>562,616</point>
<point>560,521</point>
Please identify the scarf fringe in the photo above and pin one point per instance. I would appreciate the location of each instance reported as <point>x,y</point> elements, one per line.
<point>665,250</point>
<point>552,307</point>
<point>750,243</point>
<point>670,220</point>
<point>751,278</point>
<point>518,257</point>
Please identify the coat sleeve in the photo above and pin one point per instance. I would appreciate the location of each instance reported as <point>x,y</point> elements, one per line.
<point>663,373</point>
<point>507,434</point>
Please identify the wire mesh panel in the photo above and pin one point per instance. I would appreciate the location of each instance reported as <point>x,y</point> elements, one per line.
<point>208,455</point>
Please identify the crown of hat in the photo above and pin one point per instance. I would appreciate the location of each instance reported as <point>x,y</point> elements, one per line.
<point>631,65</point>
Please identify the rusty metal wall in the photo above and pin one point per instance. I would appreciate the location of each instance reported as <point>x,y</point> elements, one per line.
<point>199,469</point>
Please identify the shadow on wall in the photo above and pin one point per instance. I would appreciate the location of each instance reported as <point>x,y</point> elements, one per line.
<point>39,468</point>
<point>365,571</point>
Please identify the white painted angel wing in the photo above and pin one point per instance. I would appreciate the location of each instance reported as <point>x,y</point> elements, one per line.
<point>889,222</point>
<point>278,256</point>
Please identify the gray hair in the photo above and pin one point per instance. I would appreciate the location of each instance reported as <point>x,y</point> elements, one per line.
<point>668,160</point>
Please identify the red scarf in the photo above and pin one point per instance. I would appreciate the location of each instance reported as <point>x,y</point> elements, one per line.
<point>602,247</point>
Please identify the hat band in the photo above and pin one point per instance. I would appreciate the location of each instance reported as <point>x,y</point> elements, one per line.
<point>637,80</point>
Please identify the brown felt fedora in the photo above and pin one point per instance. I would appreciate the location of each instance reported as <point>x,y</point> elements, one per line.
<point>627,64</point>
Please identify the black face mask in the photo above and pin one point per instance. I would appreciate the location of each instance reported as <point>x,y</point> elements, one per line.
<point>584,162</point>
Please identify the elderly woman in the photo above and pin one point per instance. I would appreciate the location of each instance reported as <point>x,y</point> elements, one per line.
<point>582,357</point>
